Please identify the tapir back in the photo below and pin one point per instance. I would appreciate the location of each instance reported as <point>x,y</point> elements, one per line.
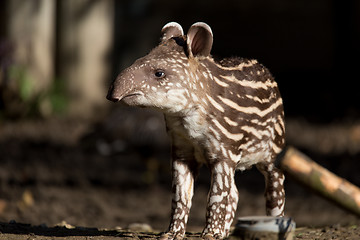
<point>242,107</point>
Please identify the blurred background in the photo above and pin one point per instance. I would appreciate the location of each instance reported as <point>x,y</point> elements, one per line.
<point>67,154</point>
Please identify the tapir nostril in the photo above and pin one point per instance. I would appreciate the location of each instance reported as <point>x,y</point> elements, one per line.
<point>112,98</point>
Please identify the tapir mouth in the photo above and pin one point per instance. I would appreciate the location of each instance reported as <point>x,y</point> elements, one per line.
<point>115,97</point>
<point>128,98</point>
<point>131,95</point>
<point>131,99</point>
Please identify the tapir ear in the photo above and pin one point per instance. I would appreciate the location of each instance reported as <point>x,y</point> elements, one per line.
<point>199,39</point>
<point>172,29</point>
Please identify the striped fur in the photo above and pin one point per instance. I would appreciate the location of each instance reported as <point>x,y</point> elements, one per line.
<point>227,115</point>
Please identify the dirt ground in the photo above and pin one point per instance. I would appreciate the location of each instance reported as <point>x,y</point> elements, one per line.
<point>111,180</point>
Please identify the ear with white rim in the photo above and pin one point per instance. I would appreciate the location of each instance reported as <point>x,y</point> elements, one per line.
<point>171,29</point>
<point>199,39</point>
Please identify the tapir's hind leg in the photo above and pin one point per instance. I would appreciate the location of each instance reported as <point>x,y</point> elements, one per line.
<point>274,188</point>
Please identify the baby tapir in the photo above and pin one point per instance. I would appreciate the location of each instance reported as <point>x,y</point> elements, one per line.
<point>226,114</point>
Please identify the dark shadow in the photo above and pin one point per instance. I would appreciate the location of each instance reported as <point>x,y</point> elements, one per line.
<point>59,231</point>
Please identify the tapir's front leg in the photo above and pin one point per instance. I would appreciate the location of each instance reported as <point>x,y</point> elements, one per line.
<point>184,169</point>
<point>222,201</point>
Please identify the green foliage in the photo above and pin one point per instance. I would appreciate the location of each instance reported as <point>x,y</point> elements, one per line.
<point>22,99</point>
<point>57,97</point>
<point>24,82</point>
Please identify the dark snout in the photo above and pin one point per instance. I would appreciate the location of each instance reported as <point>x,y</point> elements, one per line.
<point>123,87</point>
<point>111,95</point>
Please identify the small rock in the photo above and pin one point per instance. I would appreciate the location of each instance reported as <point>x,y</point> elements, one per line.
<point>118,228</point>
<point>65,225</point>
<point>140,227</point>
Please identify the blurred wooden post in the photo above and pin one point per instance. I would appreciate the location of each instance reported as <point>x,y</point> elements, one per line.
<point>322,181</point>
<point>30,26</point>
<point>85,39</point>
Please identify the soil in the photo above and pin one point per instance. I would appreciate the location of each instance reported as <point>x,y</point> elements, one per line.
<point>111,179</point>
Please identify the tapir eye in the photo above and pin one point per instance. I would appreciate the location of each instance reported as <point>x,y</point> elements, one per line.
<point>159,74</point>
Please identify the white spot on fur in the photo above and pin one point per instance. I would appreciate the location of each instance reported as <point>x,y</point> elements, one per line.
<point>274,194</point>
<point>215,199</point>
<point>277,211</point>
<point>180,168</point>
<point>232,136</point>
<point>230,122</point>
<point>220,83</point>
<point>215,104</point>
<point>219,181</point>
<point>214,189</point>
<point>219,168</point>
<point>226,182</point>
<point>251,110</point>
<point>223,151</point>
<point>194,97</point>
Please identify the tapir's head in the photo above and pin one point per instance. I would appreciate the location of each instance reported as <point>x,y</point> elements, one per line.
<point>165,78</point>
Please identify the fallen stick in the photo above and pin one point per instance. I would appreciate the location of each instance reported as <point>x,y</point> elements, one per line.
<point>321,180</point>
